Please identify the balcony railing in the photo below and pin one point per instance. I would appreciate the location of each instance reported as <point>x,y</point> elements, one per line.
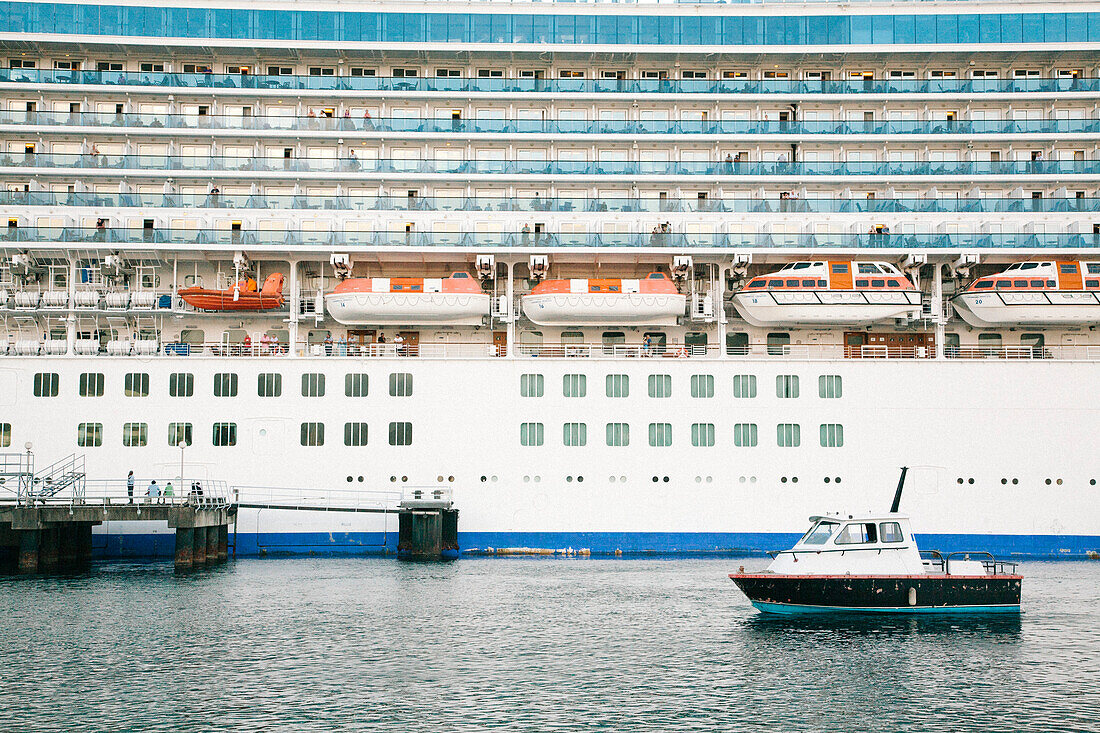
<point>413,166</point>
<point>213,237</point>
<point>446,126</point>
<point>359,202</point>
<point>595,204</point>
<point>478,85</point>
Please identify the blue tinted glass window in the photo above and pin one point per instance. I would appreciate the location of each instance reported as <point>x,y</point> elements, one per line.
<point>437,26</point>
<point>481,28</point>
<point>947,29</point>
<point>584,27</point>
<point>775,31</point>
<point>796,31</point>
<point>1094,27</point>
<point>989,29</point>
<point>926,28</point>
<point>752,31</point>
<point>861,29</point>
<point>564,27</point>
<point>840,31</point>
<point>1077,27</point>
<point>1012,28</point>
<point>731,30</point>
<point>968,28</point>
<point>1055,31</point>
<point>647,29</point>
<point>882,29</point>
<point>1033,28</point>
<point>542,26</point>
<point>905,29</point>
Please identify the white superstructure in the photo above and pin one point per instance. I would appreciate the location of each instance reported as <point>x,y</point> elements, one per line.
<point>149,149</point>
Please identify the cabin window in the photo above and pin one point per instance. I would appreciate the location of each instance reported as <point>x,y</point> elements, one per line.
<point>181,384</point>
<point>857,534</point>
<point>225,384</point>
<point>878,283</point>
<point>355,385</point>
<point>313,434</point>
<point>696,342</point>
<point>890,532</point>
<point>702,434</point>
<point>136,384</point>
<point>401,433</point>
<point>1067,269</point>
<point>574,385</point>
<point>618,434</point>
<point>355,433</point>
<point>179,433</point>
<point>830,386</point>
<point>989,340</point>
<point>135,434</point>
<point>820,533</point>
<point>893,283</point>
<point>657,341</point>
<point>91,384</point>
<point>775,283</point>
<point>611,339</point>
<point>531,434</point>
<point>656,276</point>
<point>702,386</point>
<point>778,343</point>
<point>531,385</point>
<point>745,435</point>
<point>660,434</point>
<point>984,285</point>
<point>660,386</point>
<point>193,336</point>
<point>792,283</point>
<point>832,435</point>
<point>269,385</point>
<point>744,386</point>
<point>786,386</point>
<point>45,384</point>
<point>225,433</point>
<point>788,435</point>
<point>1019,283</point>
<point>618,385</point>
<point>809,283</point>
<point>313,384</point>
<point>1003,284</point>
<point>840,268</point>
<point>862,283</point>
<point>866,268</point>
<point>755,284</point>
<point>401,384</point>
<point>89,434</point>
<point>1088,283</point>
<point>1042,283</point>
<point>5,435</point>
<point>574,434</point>
<point>737,344</point>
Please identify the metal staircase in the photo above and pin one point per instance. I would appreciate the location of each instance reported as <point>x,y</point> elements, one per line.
<point>59,476</point>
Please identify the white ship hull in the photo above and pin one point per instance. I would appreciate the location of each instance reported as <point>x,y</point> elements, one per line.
<point>984,310</point>
<point>584,310</point>
<point>825,308</point>
<point>1009,471</point>
<point>355,309</point>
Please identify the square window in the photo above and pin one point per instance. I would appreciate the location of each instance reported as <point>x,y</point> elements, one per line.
<point>355,433</point>
<point>744,386</point>
<point>135,434</point>
<point>786,386</point>
<point>91,384</point>
<point>660,434</point>
<point>269,385</point>
<point>660,385</point>
<point>355,385</point>
<point>313,434</point>
<point>618,385</point>
<point>225,433</point>
<point>89,434</point>
<point>702,434</point>
<point>531,385</point>
<point>618,434</point>
<point>401,433</point>
<point>225,384</point>
<point>531,433</point>
<point>179,433</point>
<point>788,435</point>
<point>574,385</point>
<point>45,384</point>
<point>829,387</point>
<point>136,384</point>
<point>832,435</point>
<point>5,434</point>
<point>574,434</point>
<point>745,435</point>
<point>313,385</point>
<point>702,386</point>
<point>181,384</point>
<point>401,384</point>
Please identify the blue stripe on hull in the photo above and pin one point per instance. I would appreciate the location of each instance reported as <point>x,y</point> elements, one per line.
<point>598,543</point>
<point>792,609</point>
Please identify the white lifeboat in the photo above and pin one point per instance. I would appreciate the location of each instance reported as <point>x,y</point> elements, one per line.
<point>1033,293</point>
<point>827,293</point>
<point>456,300</point>
<point>584,302</point>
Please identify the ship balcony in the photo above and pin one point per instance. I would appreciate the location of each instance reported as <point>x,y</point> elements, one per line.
<point>932,204</point>
<point>169,82</point>
<point>806,239</point>
<point>226,166</point>
<point>150,124</point>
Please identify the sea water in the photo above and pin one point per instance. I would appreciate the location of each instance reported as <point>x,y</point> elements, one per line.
<point>321,644</point>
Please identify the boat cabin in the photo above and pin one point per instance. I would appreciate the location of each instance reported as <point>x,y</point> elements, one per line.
<point>853,545</point>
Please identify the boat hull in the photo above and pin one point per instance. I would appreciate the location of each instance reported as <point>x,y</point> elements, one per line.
<point>984,310</point>
<point>353,309</point>
<point>779,593</point>
<point>826,308</point>
<point>651,309</point>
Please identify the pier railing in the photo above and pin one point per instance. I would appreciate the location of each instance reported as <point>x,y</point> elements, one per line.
<point>108,492</point>
<point>316,498</point>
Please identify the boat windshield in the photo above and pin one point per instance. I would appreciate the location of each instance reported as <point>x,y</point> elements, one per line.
<point>820,533</point>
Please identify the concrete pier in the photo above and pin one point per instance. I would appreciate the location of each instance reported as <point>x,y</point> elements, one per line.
<point>44,538</point>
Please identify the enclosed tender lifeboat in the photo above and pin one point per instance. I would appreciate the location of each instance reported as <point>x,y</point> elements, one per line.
<point>870,563</point>
<point>455,300</point>
<point>829,292</point>
<point>580,302</point>
<point>243,296</point>
<point>1040,293</point>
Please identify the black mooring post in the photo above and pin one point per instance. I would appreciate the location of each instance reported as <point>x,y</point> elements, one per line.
<point>897,494</point>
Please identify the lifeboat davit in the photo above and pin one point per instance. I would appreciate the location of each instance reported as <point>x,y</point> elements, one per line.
<point>652,301</point>
<point>1033,293</point>
<point>827,293</point>
<point>241,297</point>
<point>456,300</point>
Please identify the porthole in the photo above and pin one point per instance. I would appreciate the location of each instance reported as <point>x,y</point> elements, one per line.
<point>1059,482</point>
<point>404,479</point>
<point>1004,481</point>
<point>1048,482</point>
<point>655,479</point>
<point>741,479</point>
<point>450,479</point>
<point>794,479</point>
<point>579,479</point>
<point>538,479</point>
<point>827,479</point>
<point>1015,481</point>
<point>349,479</point>
<point>568,479</point>
<point>494,479</point>
<point>959,480</point>
<point>526,479</point>
<point>622,479</point>
<point>1092,482</point>
<point>970,481</point>
<point>665,479</point>
<point>698,479</point>
<point>439,479</point>
<point>783,480</point>
<point>484,479</point>
<point>611,479</point>
<point>263,432</point>
<point>710,479</point>
<point>752,479</point>
<point>393,479</point>
<point>838,479</point>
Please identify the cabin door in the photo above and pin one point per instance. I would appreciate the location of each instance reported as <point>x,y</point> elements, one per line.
<point>500,343</point>
<point>359,341</point>
<point>411,347</point>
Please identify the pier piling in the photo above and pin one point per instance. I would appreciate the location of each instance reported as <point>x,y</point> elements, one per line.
<point>198,554</point>
<point>49,549</point>
<point>28,550</point>
<point>212,545</point>
<point>185,550</point>
<point>223,542</point>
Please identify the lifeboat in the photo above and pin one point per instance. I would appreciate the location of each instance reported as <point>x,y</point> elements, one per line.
<point>455,300</point>
<point>1033,293</point>
<point>652,301</point>
<point>825,293</point>
<point>243,296</point>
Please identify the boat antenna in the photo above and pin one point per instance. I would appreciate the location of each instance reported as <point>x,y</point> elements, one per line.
<point>897,493</point>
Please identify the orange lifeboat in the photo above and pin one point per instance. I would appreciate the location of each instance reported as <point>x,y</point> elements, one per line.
<point>1055,292</point>
<point>241,297</point>
<point>653,300</point>
<point>454,300</point>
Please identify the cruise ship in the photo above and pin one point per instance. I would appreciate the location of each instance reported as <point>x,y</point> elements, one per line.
<point>619,277</point>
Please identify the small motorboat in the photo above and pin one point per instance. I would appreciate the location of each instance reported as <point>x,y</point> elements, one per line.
<point>871,564</point>
<point>243,296</point>
<point>1061,292</point>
